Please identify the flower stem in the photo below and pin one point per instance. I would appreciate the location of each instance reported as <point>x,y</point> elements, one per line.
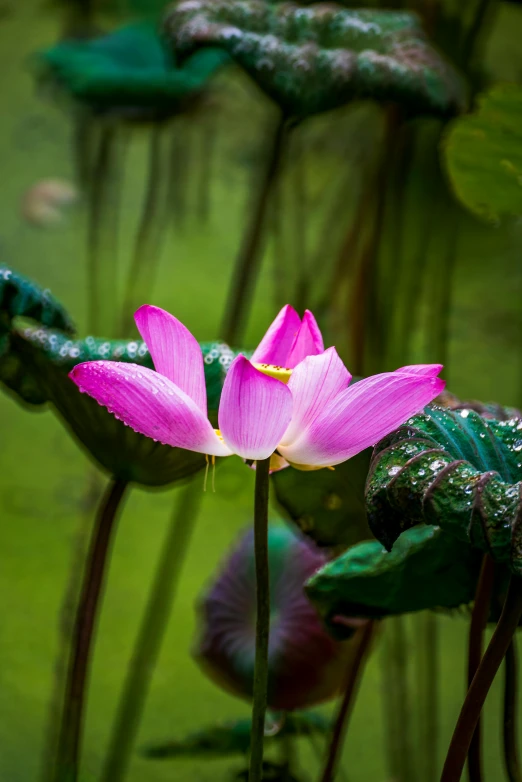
<point>262,620</point>
<point>66,767</point>
<point>248,261</point>
<point>511,759</point>
<point>341,723</point>
<point>479,619</point>
<point>482,681</point>
<point>151,634</point>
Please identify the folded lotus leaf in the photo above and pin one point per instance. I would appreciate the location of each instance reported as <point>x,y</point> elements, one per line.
<point>36,368</point>
<point>232,738</point>
<point>314,58</point>
<point>455,470</point>
<point>483,154</point>
<point>327,505</point>
<point>127,71</point>
<point>426,568</point>
<point>20,296</point>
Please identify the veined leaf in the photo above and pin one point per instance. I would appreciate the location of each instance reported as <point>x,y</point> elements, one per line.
<point>314,58</point>
<point>454,470</point>
<point>20,296</point>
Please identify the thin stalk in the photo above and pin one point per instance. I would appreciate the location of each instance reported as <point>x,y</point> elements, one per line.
<point>151,634</point>
<point>68,754</point>
<point>248,261</point>
<point>427,625</point>
<point>482,682</point>
<point>355,669</point>
<point>479,619</point>
<point>472,34</point>
<point>102,234</point>
<point>147,247</point>
<point>300,197</point>
<point>510,728</point>
<point>262,620</point>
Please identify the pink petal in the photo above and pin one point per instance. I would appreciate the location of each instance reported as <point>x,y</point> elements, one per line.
<point>275,346</point>
<point>149,403</point>
<point>254,410</point>
<point>361,416</point>
<point>308,341</point>
<point>175,352</point>
<point>314,383</point>
<point>425,370</point>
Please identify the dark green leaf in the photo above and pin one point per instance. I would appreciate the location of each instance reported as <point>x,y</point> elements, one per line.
<point>327,505</point>
<point>483,154</point>
<point>427,568</point>
<point>455,470</point>
<point>19,296</point>
<point>310,59</point>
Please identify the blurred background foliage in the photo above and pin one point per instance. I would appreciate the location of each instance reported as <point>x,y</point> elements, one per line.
<point>445,285</point>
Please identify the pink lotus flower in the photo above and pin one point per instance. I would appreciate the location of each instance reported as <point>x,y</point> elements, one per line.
<point>292,396</point>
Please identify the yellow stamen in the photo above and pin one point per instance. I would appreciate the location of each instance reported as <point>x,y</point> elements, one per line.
<point>280,373</point>
<point>310,467</point>
<point>206,474</point>
<point>214,474</point>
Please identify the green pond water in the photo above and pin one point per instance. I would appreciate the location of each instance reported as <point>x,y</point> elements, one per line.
<point>44,473</point>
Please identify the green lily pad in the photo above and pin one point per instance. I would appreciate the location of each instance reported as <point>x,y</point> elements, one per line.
<point>127,71</point>
<point>327,505</point>
<point>314,58</point>
<point>426,568</point>
<point>455,470</point>
<point>233,738</point>
<point>483,154</point>
<point>20,296</point>
<point>36,369</point>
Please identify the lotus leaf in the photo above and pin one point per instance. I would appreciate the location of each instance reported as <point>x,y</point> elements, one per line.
<point>483,154</point>
<point>456,470</point>
<point>128,71</point>
<point>20,296</point>
<point>427,568</point>
<point>314,58</point>
<point>36,368</point>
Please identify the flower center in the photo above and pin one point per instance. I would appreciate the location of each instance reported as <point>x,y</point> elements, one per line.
<point>280,373</point>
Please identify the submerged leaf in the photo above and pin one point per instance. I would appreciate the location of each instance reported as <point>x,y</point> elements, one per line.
<point>314,58</point>
<point>231,738</point>
<point>454,470</point>
<point>483,154</point>
<point>426,568</point>
<point>36,368</point>
<point>128,71</point>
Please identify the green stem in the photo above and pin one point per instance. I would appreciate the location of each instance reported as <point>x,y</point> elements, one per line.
<point>428,694</point>
<point>151,634</point>
<point>262,620</point>
<point>248,261</point>
<point>341,723</point>
<point>67,760</point>
<point>510,732</point>
<point>482,682</point>
<point>147,248</point>
<point>479,619</point>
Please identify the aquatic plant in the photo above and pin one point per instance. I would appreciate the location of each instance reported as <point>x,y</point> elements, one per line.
<point>311,59</point>
<point>21,297</point>
<point>462,473</point>
<point>315,417</point>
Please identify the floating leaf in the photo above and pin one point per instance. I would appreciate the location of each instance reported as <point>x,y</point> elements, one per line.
<point>36,367</point>
<point>314,58</point>
<point>305,664</point>
<point>232,738</point>
<point>426,568</point>
<point>483,154</point>
<point>327,505</point>
<point>128,71</point>
<point>455,470</point>
<point>20,296</point>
